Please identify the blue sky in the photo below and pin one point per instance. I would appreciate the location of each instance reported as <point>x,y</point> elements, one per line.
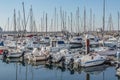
<point>40,6</point>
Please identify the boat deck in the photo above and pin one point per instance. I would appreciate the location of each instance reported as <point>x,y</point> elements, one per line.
<point>108,52</point>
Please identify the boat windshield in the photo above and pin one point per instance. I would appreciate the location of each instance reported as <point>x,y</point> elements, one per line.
<point>94,45</point>
<point>61,42</point>
<point>46,37</point>
<point>92,39</point>
<point>77,39</point>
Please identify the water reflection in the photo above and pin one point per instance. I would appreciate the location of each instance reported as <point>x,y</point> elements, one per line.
<point>118,78</point>
<point>13,60</point>
<point>23,70</point>
<point>95,70</point>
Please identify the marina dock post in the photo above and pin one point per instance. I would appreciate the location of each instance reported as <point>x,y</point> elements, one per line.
<point>87,44</point>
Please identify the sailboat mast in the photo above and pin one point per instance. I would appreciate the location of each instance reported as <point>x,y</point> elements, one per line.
<point>51,28</point>
<point>15,21</point>
<point>103,16</point>
<point>31,19</point>
<point>19,25</point>
<point>24,17</point>
<point>71,22</point>
<point>63,21</point>
<point>61,18</point>
<point>65,15</point>
<point>84,19</point>
<point>90,28</point>
<point>93,22</point>
<point>68,24</point>
<point>110,23</point>
<point>41,24</point>
<point>118,22</point>
<point>8,25</point>
<point>55,20</point>
<point>46,24</point>
<point>15,27</point>
<point>78,20</point>
<point>35,28</point>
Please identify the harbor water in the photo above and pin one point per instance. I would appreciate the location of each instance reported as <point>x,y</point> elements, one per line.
<point>16,70</point>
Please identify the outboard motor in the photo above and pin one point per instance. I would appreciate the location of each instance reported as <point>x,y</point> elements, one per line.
<point>117,65</point>
<point>23,54</point>
<point>62,61</point>
<point>5,53</point>
<point>49,59</point>
<point>71,63</point>
<point>118,54</point>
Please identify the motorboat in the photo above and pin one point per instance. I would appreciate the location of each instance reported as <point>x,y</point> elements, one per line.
<point>11,43</point>
<point>65,55</point>
<point>76,42</point>
<point>45,40</point>
<point>37,54</point>
<point>13,54</point>
<point>111,42</point>
<point>57,45</point>
<point>91,59</point>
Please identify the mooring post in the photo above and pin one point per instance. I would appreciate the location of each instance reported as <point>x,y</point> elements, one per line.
<point>87,44</point>
<point>87,52</point>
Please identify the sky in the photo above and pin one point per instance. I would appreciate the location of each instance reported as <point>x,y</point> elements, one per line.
<point>39,6</point>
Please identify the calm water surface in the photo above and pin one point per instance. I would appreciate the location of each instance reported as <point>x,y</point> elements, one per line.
<point>35,71</point>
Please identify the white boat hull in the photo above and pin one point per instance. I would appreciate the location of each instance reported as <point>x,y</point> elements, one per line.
<point>93,63</point>
<point>118,72</point>
<point>92,59</point>
<point>14,55</point>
